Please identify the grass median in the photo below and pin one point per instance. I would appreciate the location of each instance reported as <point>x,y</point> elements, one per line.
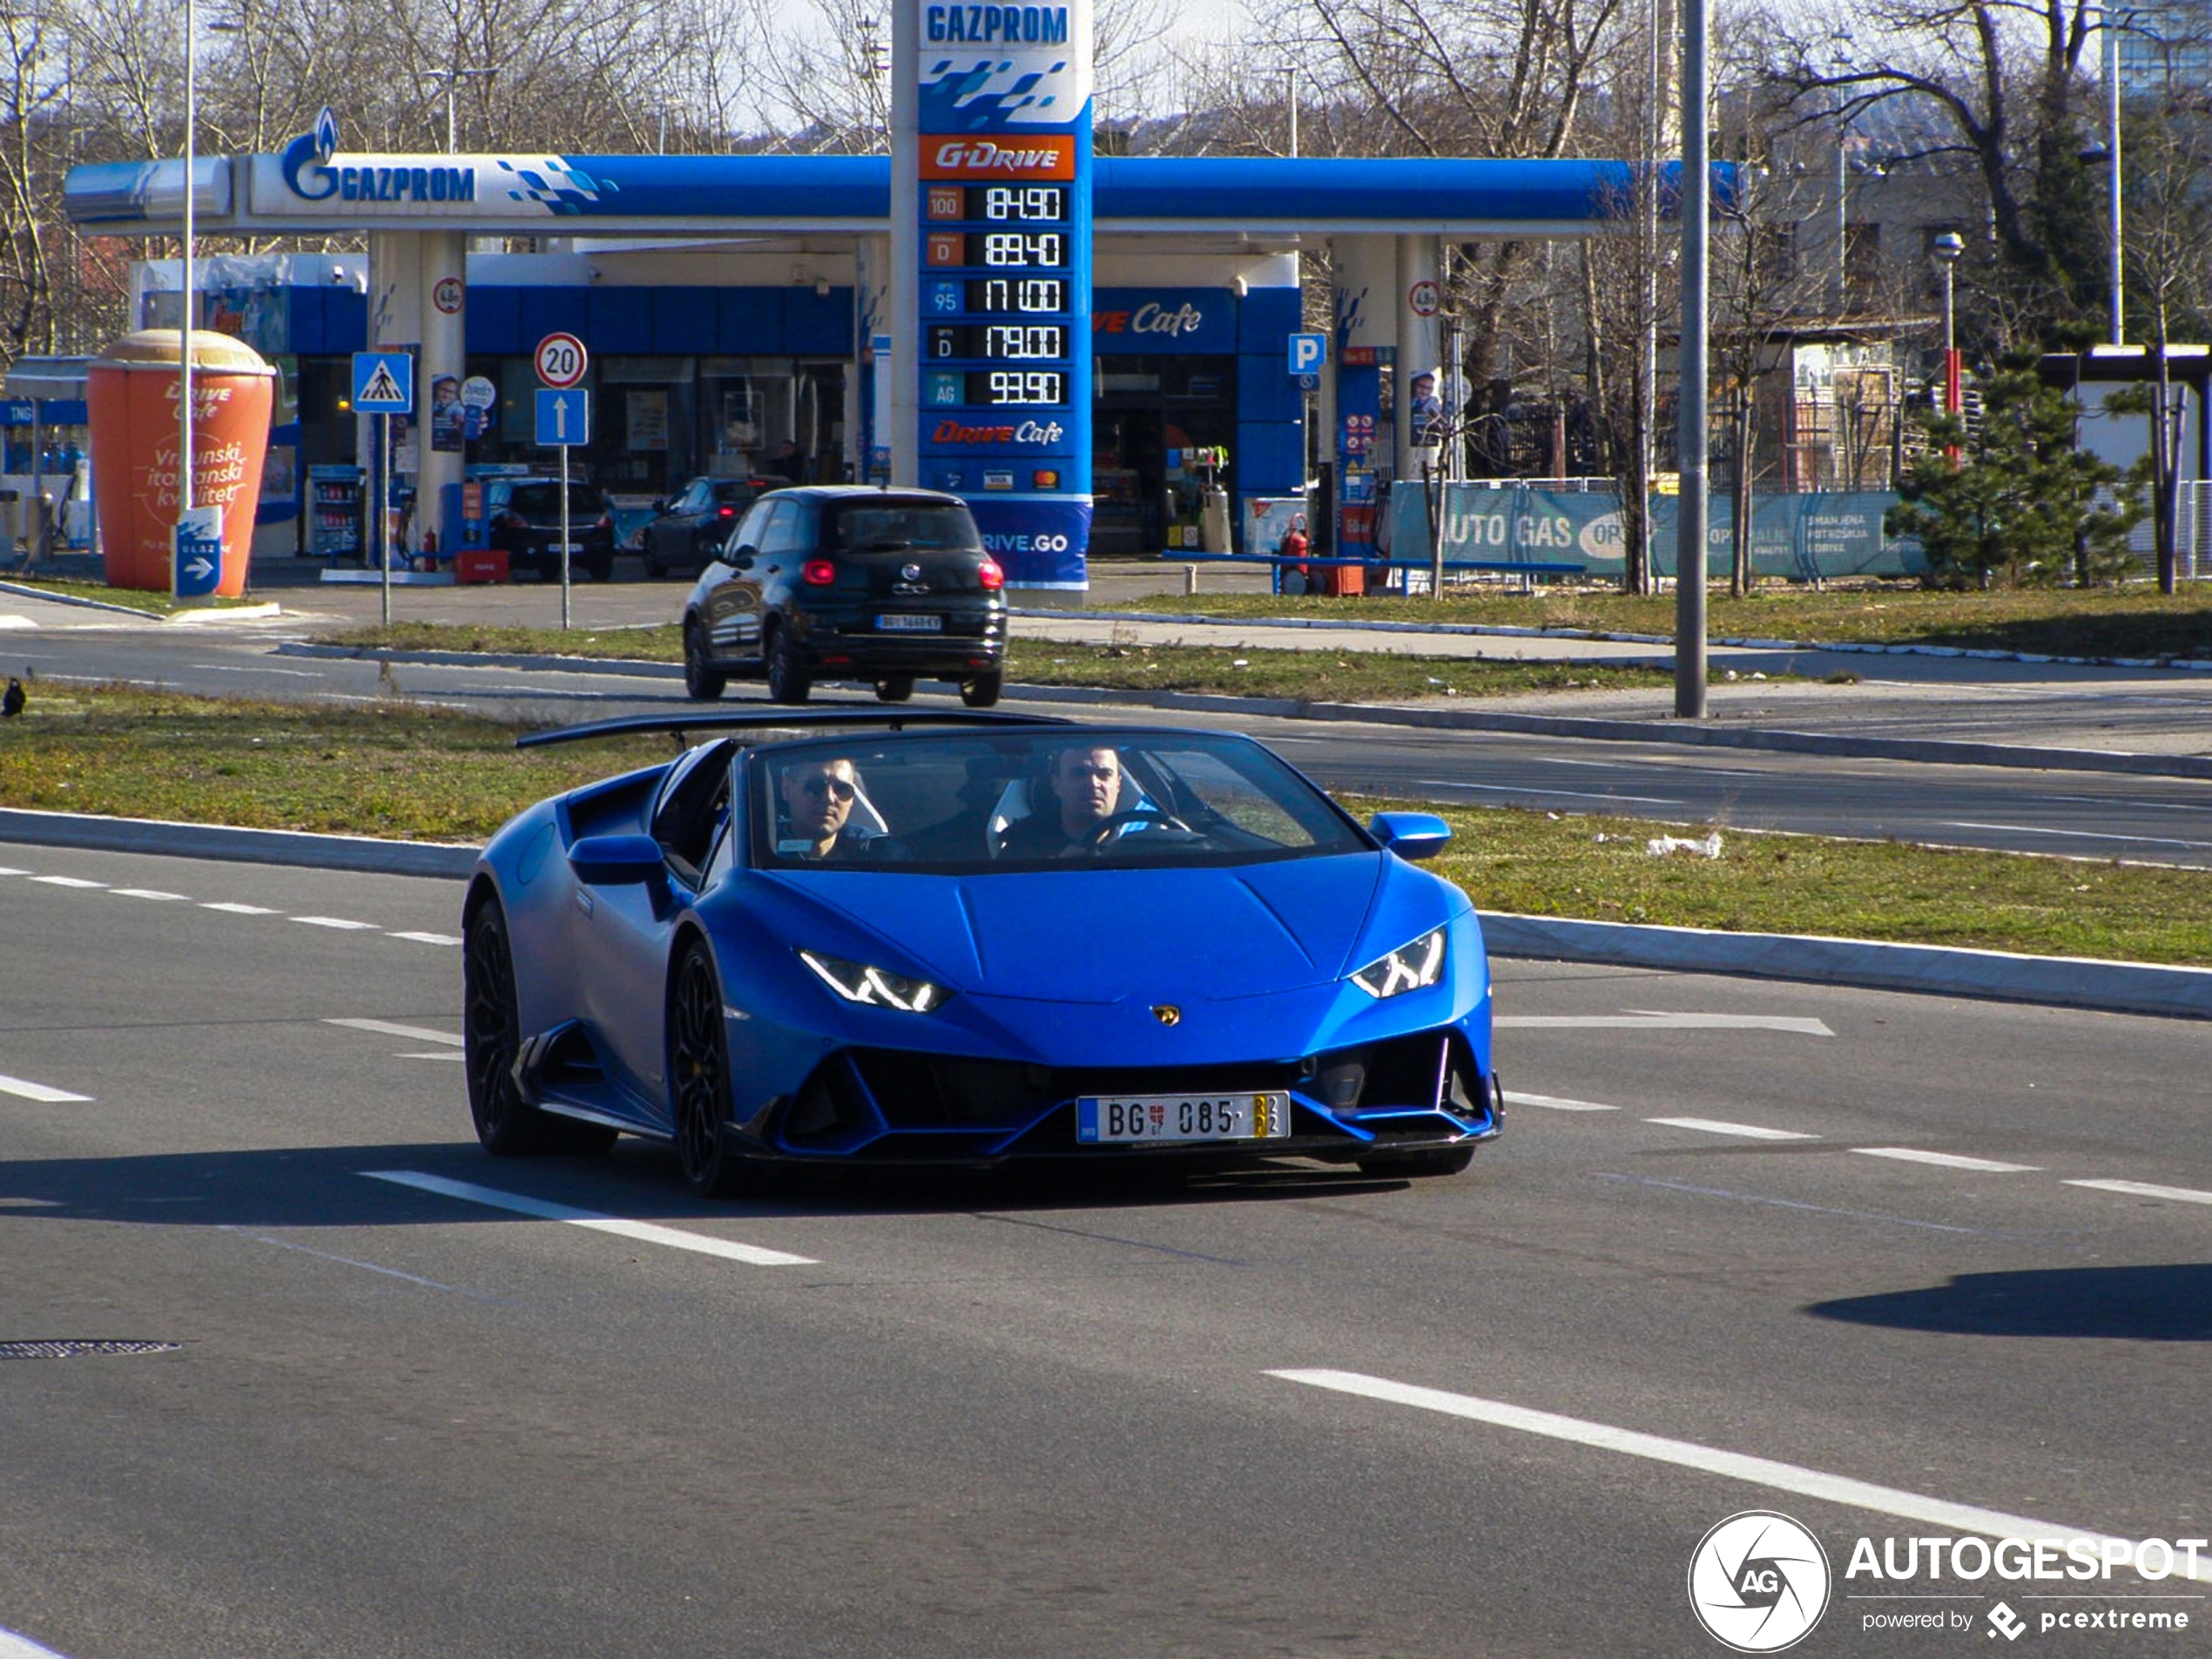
<point>399,770</point>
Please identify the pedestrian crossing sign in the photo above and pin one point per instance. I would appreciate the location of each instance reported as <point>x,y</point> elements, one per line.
<point>383,383</point>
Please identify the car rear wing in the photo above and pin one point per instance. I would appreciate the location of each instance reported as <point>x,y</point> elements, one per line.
<point>791,720</point>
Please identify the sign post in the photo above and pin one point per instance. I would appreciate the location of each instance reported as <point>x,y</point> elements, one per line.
<point>564,421</point>
<point>991,273</point>
<point>384,386</point>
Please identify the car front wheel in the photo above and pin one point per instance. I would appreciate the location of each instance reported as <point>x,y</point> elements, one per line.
<point>981,691</point>
<point>699,1078</point>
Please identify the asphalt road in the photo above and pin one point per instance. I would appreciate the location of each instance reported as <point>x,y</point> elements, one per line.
<point>1913,1253</point>
<point>2086,814</point>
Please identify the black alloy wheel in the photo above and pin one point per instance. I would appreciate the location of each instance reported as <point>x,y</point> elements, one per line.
<point>702,680</point>
<point>507,1125</point>
<point>698,1074</point>
<point>788,679</point>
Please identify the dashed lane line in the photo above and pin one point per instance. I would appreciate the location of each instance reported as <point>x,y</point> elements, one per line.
<point>1557,1102</point>
<point>1715,1126</point>
<point>149,892</point>
<point>24,1088</point>
<point>341,923</point>
<point>2144,1190</point>
<point>67,881</point>
<point>644,1232</point>
<point>387,1028</point>
<point>1944,1160</point>
<point>1792,1478</point>
<point>231,909</point>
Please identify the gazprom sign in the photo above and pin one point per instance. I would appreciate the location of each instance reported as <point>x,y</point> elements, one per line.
<point>995,25</point>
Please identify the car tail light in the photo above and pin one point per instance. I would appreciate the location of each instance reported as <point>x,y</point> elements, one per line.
<point>606,522</point>
<point>725,512</point>
<point>818,573</point>
<point>992,578</point>
<point>513,521</point>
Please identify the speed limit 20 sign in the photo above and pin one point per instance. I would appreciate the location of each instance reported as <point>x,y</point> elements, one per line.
<point>561,360</point>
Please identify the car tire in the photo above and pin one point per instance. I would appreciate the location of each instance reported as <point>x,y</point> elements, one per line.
<point>507,1125</point>
<point>788,680</point>
<point>1442,1160</point>
<point>655,570</point>
<point>981,691</point>
<point>699,1078</point>
<point>703,682</point>
<point>894,688</point>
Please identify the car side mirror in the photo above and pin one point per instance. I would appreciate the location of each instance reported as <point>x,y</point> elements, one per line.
<point>611,860</point>
<point>740,559</point>
<point>1411,835</point>
<point>660,506</point>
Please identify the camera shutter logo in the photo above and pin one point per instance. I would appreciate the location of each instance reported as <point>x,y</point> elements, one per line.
<point>1758,1581</point>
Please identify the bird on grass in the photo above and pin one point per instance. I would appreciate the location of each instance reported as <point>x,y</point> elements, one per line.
<point>11,704</point>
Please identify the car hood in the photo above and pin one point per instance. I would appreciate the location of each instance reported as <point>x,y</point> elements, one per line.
<point>1105,936</point>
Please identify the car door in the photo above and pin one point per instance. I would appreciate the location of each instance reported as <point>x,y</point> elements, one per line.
<point>623,937</point>
<point>733,603</point>
<point>671,533</point>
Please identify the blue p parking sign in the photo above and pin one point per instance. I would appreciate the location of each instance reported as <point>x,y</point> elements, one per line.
<point>1308,352</point>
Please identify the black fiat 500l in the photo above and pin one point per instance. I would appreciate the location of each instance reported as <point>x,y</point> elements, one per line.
<point>850,583</point>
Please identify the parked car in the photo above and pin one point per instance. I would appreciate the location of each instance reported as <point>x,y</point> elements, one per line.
<point>524,515</point>
<point>850,582</point>
<point>840,948</point>
<point>689,528</point>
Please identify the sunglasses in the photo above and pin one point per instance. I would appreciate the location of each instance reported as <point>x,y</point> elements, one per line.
<point>835,788</point>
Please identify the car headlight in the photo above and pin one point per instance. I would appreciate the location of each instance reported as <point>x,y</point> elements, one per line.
<point>1407,968</point>
<point>872,987</point>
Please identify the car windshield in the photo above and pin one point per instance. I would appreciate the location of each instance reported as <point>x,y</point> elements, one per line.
<point>858,526</point>
<point>960,803</point>
<point>543,501</point>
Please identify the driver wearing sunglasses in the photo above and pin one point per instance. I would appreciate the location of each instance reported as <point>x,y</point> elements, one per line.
<point>818,798</point>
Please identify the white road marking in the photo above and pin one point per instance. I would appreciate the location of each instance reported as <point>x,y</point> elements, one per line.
<point>14,1647</point>
<point>457,1059</point>
<point>149,892</point>
<point>2141,1189</point>
<point>1556,1103</point>
<point>643,1231</point>
<point>6,869</point>
<point>26,1090</point>
<point>386,1028</point>
<point>1736,1465</point>
<point>238,909</point>
<point>1648,1019</point>
<point>2082,835</point>
<point>1714,1126</point>
<point>1561,795</point>
<point>1945,1160</point>
<point>336,922</point>
<point>431,938</point>
<point>67,881</point>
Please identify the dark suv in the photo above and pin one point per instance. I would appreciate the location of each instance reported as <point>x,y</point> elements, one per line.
<point>848,582</point>
<point>524,515</point>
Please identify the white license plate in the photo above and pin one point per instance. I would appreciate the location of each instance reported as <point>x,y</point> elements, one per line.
<point>1183,1117</point>
<point>911,622</point>
<point>572,546</point>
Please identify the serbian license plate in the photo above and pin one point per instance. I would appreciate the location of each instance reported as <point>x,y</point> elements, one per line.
<point>1183,1117</point>
<point>910,622</point>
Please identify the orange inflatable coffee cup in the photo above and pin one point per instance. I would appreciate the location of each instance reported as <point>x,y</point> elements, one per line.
<point>131,392</point>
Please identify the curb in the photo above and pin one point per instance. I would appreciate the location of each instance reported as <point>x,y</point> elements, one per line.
<point>1936,751</point>
<point>2116,988</point>
<point>202,613</point>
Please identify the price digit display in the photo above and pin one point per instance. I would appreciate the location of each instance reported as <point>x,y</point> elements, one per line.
<point>1016,204</point>
<point>1002,249</point>
<point>998,389</point>
<point>1025,296</point>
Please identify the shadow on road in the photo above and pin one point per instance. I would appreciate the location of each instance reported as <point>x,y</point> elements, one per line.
<point>2155,1303</point>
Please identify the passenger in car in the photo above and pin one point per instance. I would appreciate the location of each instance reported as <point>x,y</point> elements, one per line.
<point>1082,791</point>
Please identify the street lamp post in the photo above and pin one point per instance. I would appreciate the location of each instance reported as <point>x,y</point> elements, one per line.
<point>2111,44</point>
<point>1947,248</point>
<point>453,77</point>
<point>184,320</point>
